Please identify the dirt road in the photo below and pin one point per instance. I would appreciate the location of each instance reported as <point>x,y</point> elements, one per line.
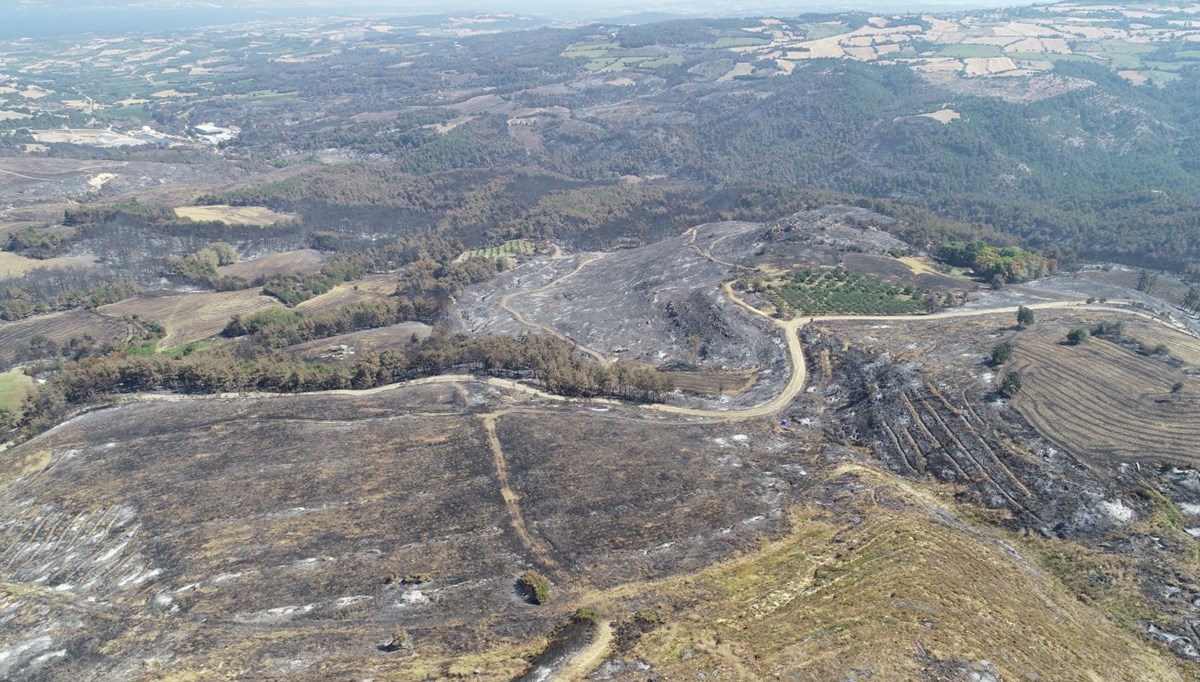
<point>584,259</point>
<point>590,658</point>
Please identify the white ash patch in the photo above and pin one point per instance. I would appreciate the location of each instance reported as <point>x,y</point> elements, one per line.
<point>414,598</point>
<point>1117,510</point>
<point>1189,508</point>
<point>281,614</point>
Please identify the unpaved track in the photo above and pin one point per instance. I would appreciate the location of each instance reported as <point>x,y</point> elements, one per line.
<point>591,657</point>
<point>511,502</point>
<point>584,259</point>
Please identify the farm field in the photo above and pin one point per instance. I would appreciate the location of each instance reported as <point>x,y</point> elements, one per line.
<point>191,317</point>
<point>301,261</point>
<point>365,289</point>
<point>232,215</point>
<point>14,386</point>
<point>1103,400</point>
<point>839,291</point>
<point>59,328</point>
<point>713,382</point>
<point>361,342</point>
<point>15,265</point>
<point>1183,347</point>
<point>513,247</point>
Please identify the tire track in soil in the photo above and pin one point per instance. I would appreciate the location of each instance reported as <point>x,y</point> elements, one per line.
<point>536,549</point>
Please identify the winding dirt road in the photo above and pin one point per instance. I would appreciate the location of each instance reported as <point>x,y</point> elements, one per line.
<point>584,259</point>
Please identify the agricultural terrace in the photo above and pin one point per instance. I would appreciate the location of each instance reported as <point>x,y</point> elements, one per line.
<point>1106,399</point>
<point>14,265</point>
<point>838,291</point>
<point>510,248</point>
<point>191,317</point>
<point>59,328</point>
<point>303,261</point>
<point>370,288</point>
<point>232,215</point>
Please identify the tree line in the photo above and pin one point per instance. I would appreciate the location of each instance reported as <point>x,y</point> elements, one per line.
<point>553,363</point>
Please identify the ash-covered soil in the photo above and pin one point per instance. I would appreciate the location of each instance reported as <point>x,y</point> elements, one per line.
<point>290,537</point>
<point>663,303</point>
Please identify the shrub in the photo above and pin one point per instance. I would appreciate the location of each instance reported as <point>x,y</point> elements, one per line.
<point>1011,385</point>
<point>1001,353</point>
<point>1024,316</point>
<point>1077,336</point>
<point>535,586</point>
<point>588,613</point>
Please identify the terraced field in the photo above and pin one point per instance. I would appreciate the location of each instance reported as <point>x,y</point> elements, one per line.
<point>807,604</point>
<point>1103,400</point>
<point>59,328</point>
<point>303,260</point>
<point>368,288</point>
<point>191,317</point>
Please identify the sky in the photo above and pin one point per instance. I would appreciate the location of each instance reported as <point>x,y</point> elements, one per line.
<point>39,18</point>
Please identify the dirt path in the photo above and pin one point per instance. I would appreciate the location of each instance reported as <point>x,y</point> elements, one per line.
<point>584,259</point>
<point>590,657</point>
<point>27,177</point>
<point>707,253</point>
<point>511,502</point>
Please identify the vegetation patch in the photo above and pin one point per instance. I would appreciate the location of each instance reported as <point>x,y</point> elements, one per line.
<point>838,291</point>
<point>512,247</point>
<point>998,265</point>
<point>535,587</point>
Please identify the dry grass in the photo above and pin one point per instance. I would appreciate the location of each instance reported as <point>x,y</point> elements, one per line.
<point>232,215</point>
<point>839,595</point>
<point>714,382</point>
<point>14,386</point>
<point>1101,399</point>
<point>366,341</point>
<point>13,265</point>
<point>369,288</point>
<point>191,317</point>
<point>59,327</point>
<point>943,116</point>
<point>304,261</point>
<point>919,266</point>
<point>1182,347</point>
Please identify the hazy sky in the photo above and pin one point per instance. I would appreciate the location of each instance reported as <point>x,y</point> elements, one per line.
<point>34,18</point>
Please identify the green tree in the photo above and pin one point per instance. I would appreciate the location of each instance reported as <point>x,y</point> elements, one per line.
<point>1001,353</point>
<point>1024,317</point>
<point>1011,384</point>
<point>1077,336</point>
